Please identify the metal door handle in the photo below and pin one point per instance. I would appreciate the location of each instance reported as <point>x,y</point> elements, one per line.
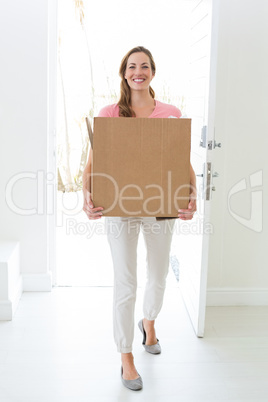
<point>208,184</point>
<point>213,144</point>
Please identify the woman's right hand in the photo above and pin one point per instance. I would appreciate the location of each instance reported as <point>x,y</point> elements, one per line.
<point>92,213</point>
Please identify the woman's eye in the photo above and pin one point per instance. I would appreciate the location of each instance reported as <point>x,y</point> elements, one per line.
<point>145,67</point>
<point>131,67</point>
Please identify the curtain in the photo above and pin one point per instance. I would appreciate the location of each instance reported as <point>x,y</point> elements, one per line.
<point>75,95</point>
<point>81,94</point>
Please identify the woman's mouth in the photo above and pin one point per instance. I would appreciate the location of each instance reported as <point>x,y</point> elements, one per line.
<point>139,80</point>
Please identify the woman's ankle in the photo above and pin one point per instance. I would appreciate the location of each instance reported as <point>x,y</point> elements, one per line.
<point>127,357</point>
<point>129,369</point>
<point>149,329</point>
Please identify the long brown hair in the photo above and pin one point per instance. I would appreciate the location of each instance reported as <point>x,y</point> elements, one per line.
<point>124,103</point>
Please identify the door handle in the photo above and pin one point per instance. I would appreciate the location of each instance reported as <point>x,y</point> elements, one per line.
<point>215,174</point>
<point>207,175</point>
<point>208,183</point>
<point>213,144</point>
<point>217,144</point>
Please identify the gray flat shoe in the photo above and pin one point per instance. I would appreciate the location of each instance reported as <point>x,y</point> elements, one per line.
<point>134,385</point>
<point>154,349</point>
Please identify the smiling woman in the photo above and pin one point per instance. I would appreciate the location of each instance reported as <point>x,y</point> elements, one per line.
<point>137,70</point>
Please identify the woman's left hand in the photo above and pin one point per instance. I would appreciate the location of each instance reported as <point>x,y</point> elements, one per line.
<point>187,214</point>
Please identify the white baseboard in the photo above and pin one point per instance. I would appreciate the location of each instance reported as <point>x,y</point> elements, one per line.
<point>37,282</point>
<point>237,297</point>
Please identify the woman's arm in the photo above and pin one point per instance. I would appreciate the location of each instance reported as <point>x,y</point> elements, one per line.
<point>92,213</point>
<point>186,214</point>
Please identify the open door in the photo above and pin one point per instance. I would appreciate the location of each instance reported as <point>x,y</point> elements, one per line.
<point>191,238</point>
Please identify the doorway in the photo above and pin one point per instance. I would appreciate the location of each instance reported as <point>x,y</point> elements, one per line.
<point>179,36</point>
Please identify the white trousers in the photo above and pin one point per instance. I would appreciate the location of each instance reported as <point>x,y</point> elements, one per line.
<point>123,236</point>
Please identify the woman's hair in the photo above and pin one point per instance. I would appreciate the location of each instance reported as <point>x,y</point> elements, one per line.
<point>124,103</point>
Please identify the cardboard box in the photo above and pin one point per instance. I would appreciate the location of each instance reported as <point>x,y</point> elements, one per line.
<point>141,166</point>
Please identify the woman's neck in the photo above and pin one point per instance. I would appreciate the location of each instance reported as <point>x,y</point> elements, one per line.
<point>141,99</point>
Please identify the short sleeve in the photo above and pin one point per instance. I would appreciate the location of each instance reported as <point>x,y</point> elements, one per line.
<point>175,112</point>
<point>164,110</point>
<point>105,112</point>
<point>109,111</point>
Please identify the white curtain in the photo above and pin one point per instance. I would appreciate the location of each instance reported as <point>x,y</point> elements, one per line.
<point>89,34</point>
<point>75,95</point>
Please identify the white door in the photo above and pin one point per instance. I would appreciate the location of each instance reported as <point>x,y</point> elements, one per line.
<point>191,239</point>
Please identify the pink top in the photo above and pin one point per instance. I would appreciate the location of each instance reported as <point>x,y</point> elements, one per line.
<point>161,110</point>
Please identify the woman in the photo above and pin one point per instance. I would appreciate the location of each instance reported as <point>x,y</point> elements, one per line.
<point>137,100</point>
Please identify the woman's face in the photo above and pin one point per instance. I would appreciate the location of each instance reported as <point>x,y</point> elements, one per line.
<point>138,71</point>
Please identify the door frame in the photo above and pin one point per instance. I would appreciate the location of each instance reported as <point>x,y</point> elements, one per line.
<point>210,136</point>
<point>197,311</point>
<point>51,148</point>
<point>51,187</point>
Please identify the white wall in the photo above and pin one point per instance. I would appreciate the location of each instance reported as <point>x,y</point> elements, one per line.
<point>238,271</point>
<point>24,130</point>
